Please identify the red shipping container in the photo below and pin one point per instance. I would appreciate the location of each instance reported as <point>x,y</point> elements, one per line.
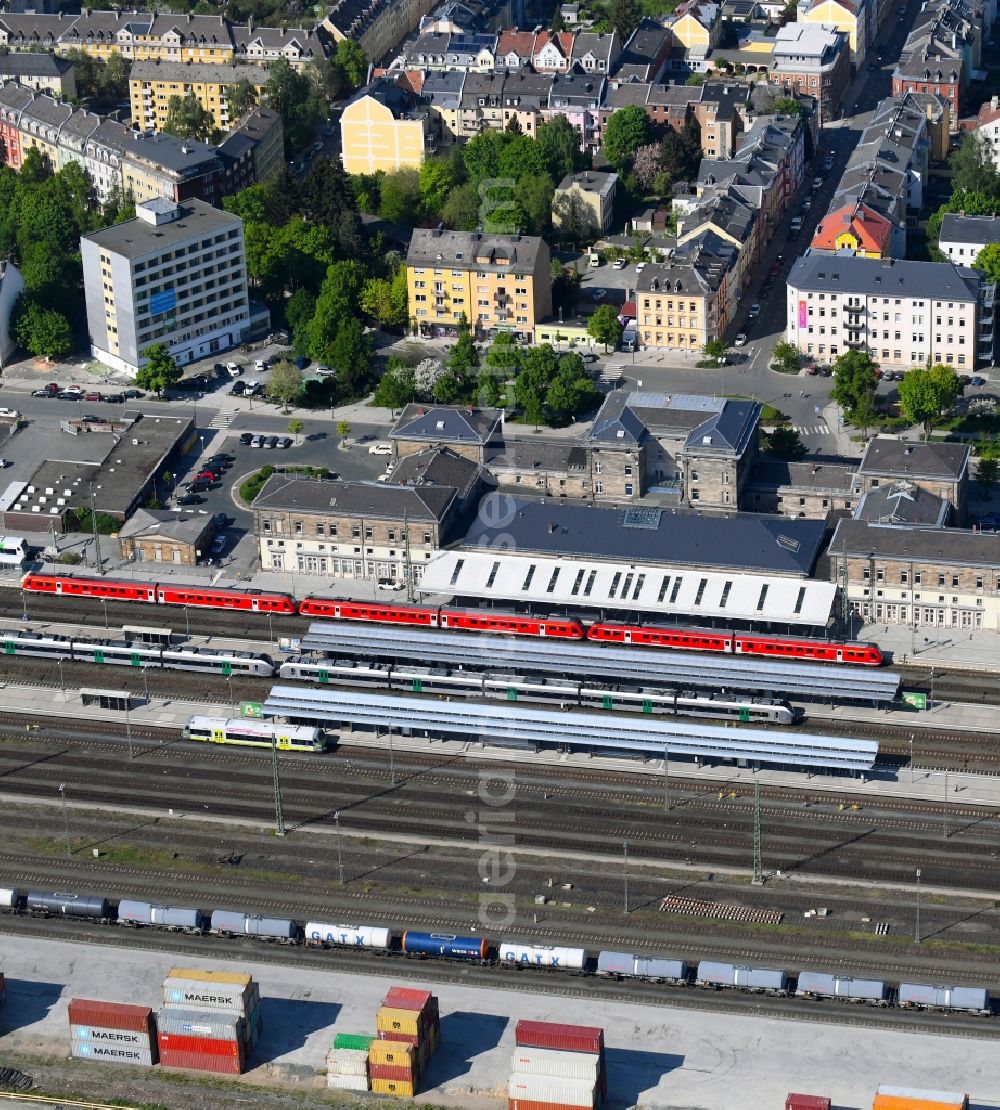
<point>197,1061</point>
<point>393,1071</point>
<point>568,1038</point>
<point>530,1104</point>
<point>404,1038</point>
<point>201,1045</point>
<point>409,998</point>
<point>807,1102</point>
<point>109,1015</point>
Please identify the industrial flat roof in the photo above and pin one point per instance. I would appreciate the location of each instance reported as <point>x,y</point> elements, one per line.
<point>587,731</point>
<point>626,665</point>
<point>638,587</point>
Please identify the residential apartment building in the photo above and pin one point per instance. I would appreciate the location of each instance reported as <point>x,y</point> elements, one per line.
<point>851,17</point>
<point>495,282</point>
<point>963,237</point>
<point>813,59</point>
<point>40,123</point>
<point>383,127</point>
<point>594,190</point>
<point>988,128</point>
<point>361,530</point>
<point>152,85</point>
<point>921,576</point>
<point>42,72</point>
<point>723,211</point>
<point>175,274</point>
<point>378,26</point>
<point>856,228</point>
<point>904,314</point>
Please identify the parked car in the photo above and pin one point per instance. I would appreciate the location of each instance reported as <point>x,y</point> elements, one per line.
<point>271,442</point>
<point>618,264</point>
<point>977,380</point>
<point>69,395</point>
<point>589,357</point>
<point>4,463</point>
<point>220,520</point>
<point>323,372</point>
<point>380,449</point>
<point>133,394</point>
<point>206,476</point>
<point>812,371</point>
<point>90,418</point>
<point>188,499</point>
<point>246,438</point>
<point>43,393</point>
<point>257,441</point>
<point>114,399</point>
<point>393,584</point>
<point>817,182</point>
<point>284,441</point>
<point>218,545</point>
<point>740,340</point>
<point>260,366</point>
<point>234,369</point>
<point>93,395</point>
<point>239,389</point>
<point>754,310</point>
<point>199,485</point>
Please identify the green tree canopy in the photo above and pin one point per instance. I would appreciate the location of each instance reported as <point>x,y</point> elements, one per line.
<point>284,383</point>
<point>853,377</point>
<point>783,443</point>
<point>559,142</point>
<point>42,331</point>
<point>627,130</point>
<point>926,393</point>
<point>397,386</point>
<point>187,119</point>
<point>972,167</point>
<point>400,199</point>
<point>352,61</point>
<point>988,260</point>
<point>785,357</point>
<point>624,16</point>
<point>603,326</point>
<point>160,371</point>
<point>988,474</point>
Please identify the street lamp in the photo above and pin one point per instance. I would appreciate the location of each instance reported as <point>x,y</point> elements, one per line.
<point>912,769</point>
<point>232,700</point>
<point>62,681</point>
<point>107,625</point>
<point>918,906</point>
<point>340,848</point>
<point>62,794</point>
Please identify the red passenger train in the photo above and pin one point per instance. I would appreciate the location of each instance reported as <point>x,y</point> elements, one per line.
<point>466,620</point>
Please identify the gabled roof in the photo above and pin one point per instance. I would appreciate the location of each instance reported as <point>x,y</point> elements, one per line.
<point>939,281</point>
<point>437,466</point>
<point>162,524</point>
<point>447,424</point>
<point>903,502</point>
<point>974,230</point>
<point>371,500</point>
<point>872,231</point>
<point>519,43</point>
<point>896,458</point>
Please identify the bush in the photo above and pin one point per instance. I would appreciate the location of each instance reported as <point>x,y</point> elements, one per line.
<point>255,483</point>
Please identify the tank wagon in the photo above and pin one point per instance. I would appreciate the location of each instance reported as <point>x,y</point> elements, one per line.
<point>232,923</point>
<point>175,918</point>
<point>844,988</point>
<point>756,980</point>
<point>517,953</point>
<point>917,996</point>
<point>54,904</point>
<point>444,944</point>
<point>348,936</point>
<point>653,969</point>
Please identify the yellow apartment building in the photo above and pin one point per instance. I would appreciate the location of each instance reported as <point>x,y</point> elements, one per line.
<point>153,83</point>
<point>849,16</point>
<point>383,128</point>
<point>497,282</point>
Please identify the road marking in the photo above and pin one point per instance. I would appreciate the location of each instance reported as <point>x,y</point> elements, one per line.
<point>812,430</point>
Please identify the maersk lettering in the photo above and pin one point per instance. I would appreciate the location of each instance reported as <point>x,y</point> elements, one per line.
<point>111,1036</point>
<point>212,999</point>
<point>117,1053</point>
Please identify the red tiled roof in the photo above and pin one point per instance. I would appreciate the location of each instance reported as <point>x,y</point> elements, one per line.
<point>871,229</point>
<point>521,43</point>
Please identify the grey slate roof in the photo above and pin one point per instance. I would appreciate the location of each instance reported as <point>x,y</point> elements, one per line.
<point>181,156</point>
<point>365,499</point>
<point>896,458</point>
<point>157,70</point>
<point>777,473</point>
<point>34,65</point>
<point>969,229</point>
<point>753,542</point>
<point>538,454</point>
<point>135,238</point>
<point>458,249</point>
<point>439,466</point>
<point>954,546</point>
<point>150,524</point>
<point>706,423</point>
<point>446,424</point>
<point>938,281</point>
<point>903,503</point>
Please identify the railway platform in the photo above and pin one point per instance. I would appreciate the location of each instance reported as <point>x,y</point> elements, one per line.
<point>929,646</point>
<point>920,786</point>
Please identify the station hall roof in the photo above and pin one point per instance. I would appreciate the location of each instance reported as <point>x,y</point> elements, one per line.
<point>668,592</point>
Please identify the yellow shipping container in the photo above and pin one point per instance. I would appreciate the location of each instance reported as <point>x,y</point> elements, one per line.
<point>409,1022</point>
<point>396,1053</point>
<point>394,1087</point>
<point>234,978</point>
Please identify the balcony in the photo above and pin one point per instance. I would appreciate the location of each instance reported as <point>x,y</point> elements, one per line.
<point>856,343</point>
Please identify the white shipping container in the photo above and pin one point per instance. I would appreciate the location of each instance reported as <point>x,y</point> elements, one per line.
<point>543,1088</point>
<point>111,1053</point>
<point>346,1061</point>
<point>220,998</point>
<point>124,1038</point>
<point>555,1064</point>
<point>347,1082</point>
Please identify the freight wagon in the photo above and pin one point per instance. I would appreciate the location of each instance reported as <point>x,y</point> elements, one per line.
<point>348,936</point>
<point>232,923</point>
<point>48,904</point>
<point>756,980</point>
<point>175,918</point>
<point>972,1000</point>
<point>652,969</point>
<point>817,984</point>
<point>519,954</point>
<point>444,944</point>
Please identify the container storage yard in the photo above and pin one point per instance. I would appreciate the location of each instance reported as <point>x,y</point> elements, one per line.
<point>113,1032</point>
<point>210,1020</point>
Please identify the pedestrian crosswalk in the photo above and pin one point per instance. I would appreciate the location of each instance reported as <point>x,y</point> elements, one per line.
<point>812,430</point>
<point>223,419</point>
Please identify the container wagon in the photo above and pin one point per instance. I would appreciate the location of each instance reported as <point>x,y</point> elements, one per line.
<point>653,969</point>
<point>917,996</point>
<point>232,923</point>
<point>444,944</point>
<point>175,918</point>
<point>817,984</point>
<point>519,954</point>
<point>756,980</point>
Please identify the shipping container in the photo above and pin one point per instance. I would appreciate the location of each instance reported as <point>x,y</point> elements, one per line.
<point>210,1025</point>
<point>143,1055</point>
<point>197,1061</point>
<point>204,1046</point>
<point>348,936</point>
<point>236,923</point>
<point>924,997</point>
<point>403,1038</point>
<point>909,1098</point>
<point>818,984</point>
<point>554,1063</point>
<point>348,1082</point>
<point>551,1034</point>
<point>411,1022</point>
<point>188,991</point>
<point>807,1102</point>
<point>519,954</point>
<point>110,1015</point>
<point>359,1041</point>
<point>534,1104</point>
<point>764,979</point>
<point>9,899</point>
<point>445,944</point>
<point>656,969</point>
<point>389,1071</point>
<point>410,998</point>
<point>542,1088</point>
<point>183,918</point>
<point>391,1052</point>
<point>393,1087</point>
<point>218,979</point>
<point>346,1061</point>
<point>122,1038</point>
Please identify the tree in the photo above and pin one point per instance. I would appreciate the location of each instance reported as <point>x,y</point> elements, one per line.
<point>114,76</point>
<point>604,327</point>
<point>987,475</point>
<point>284,384</point>
<point>299,311</point>
<point>396,388</point>
<point>787,106</point>
<point>521,157</point>
<point>343,430</point>
<point>461,209</point>
<point>294,97</point>
<point>241,97</point>
<point>437,179</point>
<point>464,356</point>
<point>574,217</point>
<point>926,393</point>
<point>160,371</point>
<point>559,142</point>
<point>784,443</point>
<point>535,193</point>
<point>35,167</point>
<point>351,353</point>
<point>972,167</point>
<point>400,200</point>
<point>86,72</point>
<point>715,350</point>
<point>853,377</point>
<point>988,260</point>
<point>785,357</point>
<point>646,165</point>
<point>503,355</point>
<point>352,61</point>
<point>187,119</point>
<point>295,427</point>
<point>864,415</point>
<point>624,16</point>
<point>696,79</point>
<point>491,389</point>
<point>385,300</point>
<point>627,130</point>
<point>42,331</point>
